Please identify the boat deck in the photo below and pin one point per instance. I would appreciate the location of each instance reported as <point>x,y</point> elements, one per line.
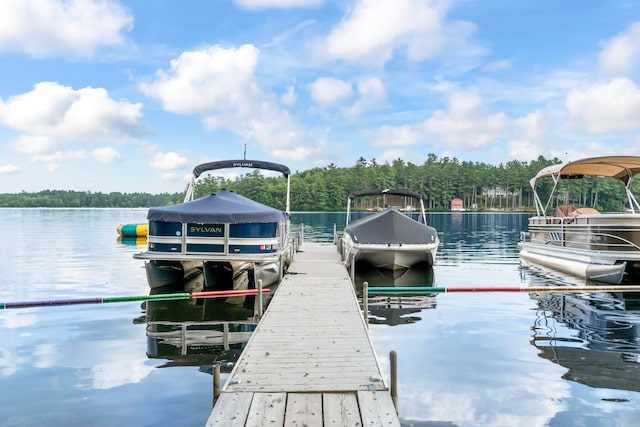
<point>310,361</point>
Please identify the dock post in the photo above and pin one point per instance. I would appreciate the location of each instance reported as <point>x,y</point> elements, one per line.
<point>301,233</point>
<point>260,305</point>
<point>335,234</point>
<point>216,382</point>
<point>365,302</point>
<point>393,362</point>
<point>353,270</point>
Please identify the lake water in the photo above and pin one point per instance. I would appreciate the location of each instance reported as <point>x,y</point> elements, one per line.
<point>464,359</point>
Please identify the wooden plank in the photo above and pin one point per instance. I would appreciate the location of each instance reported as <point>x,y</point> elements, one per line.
<point>376,409</point>
<point>341,409</point>
<point>267,409</point>
<point>303,409</point>
<point>310,361</point>
<point>230,410</point>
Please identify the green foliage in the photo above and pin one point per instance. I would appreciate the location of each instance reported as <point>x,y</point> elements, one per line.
<point>82,199</point>
<point>480,186</point>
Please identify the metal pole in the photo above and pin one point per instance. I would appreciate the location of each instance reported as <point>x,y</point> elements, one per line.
<point>393,361</point>
<point>260,305</point>
<point>365,302</point>
<point>216,382</point>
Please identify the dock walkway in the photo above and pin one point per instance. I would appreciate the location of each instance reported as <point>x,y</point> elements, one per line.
<point>310,361</point>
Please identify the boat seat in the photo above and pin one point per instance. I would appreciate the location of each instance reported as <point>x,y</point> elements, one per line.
<point>576,212</point>
<point>585,211</point>
<point>562,212</point>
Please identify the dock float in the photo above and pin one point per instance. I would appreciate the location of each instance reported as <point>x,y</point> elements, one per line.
<point>310,361</point>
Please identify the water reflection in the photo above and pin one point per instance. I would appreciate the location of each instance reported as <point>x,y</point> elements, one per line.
<point>595,335</point>
<point>131,241</point>
<point>396,310</point>
<point>198,332</point>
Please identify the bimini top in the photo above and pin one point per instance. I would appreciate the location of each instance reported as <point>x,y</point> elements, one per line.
<point>221,207</point>
<point>622,168</point>
<point>389,226</point>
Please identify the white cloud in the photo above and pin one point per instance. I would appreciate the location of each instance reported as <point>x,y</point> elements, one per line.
<point>219,84</point>
<point>278,4</point>
<point>373,30</point>
<point>387,136</point>
<point>9,169</point>
<point>390,155</point>
<point>465,124</point>
<point>61,155</point>
<point>62,27</point>
<point>590,149</point>
<point>373,95</point>
<point>289,98</point>
<point>56,111</point>
<point>530,131</point>
<point>620,54</point>
<point>205,81</point>
<point>523,149</point>
<point>501,64</point>
<point>29,144</point>
<point>53,160</point>
<point>328,91</point>
<point>169,160</point>
<point>300,152</point>
<point>105,154</point>
<point>605,107</point>
<point>533,126</point>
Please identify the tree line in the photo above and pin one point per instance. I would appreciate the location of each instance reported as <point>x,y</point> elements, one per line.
<point>84,199</point>
<point>479,185</point>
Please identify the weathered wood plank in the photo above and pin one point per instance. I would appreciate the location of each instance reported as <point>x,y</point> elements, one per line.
<point>376,409</point>
<point>341,409</point>
<point>310,361</point>
<point>303,409</point>
<point>230,410</point>
<point>267,409</point>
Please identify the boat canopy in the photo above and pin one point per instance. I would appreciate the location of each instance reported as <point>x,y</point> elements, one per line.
<point>622,168</point>
<point>256,164</point>
<point>243,163</point>
<point>385,192</point>
<point>389,226</point>
<point>221,207</point>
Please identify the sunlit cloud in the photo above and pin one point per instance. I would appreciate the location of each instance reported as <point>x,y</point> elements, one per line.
<point>76,29</point>
<point>8,169</point>
<point>170,160</point>
<point>373,31</point>
<point>605,107</point>
<point>106,154</point>
<point>621,54</point>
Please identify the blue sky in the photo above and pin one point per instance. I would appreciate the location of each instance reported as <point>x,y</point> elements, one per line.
<point>130,95</point>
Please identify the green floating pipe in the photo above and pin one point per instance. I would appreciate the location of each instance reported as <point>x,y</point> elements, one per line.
<point>105,300</point>
<point>420,290</point>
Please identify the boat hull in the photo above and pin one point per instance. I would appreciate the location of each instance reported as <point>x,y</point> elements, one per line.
<point>389,256</point>
<point>601,247</point>
<point>389,240</point>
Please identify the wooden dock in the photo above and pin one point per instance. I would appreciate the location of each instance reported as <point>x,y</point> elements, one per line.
<point>310,361</point>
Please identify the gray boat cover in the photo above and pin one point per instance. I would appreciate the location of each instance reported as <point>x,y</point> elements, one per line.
<point>390,226</point>
<point>221,207</point>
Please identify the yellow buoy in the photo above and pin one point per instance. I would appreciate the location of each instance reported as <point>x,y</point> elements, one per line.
<point>133,230</point>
